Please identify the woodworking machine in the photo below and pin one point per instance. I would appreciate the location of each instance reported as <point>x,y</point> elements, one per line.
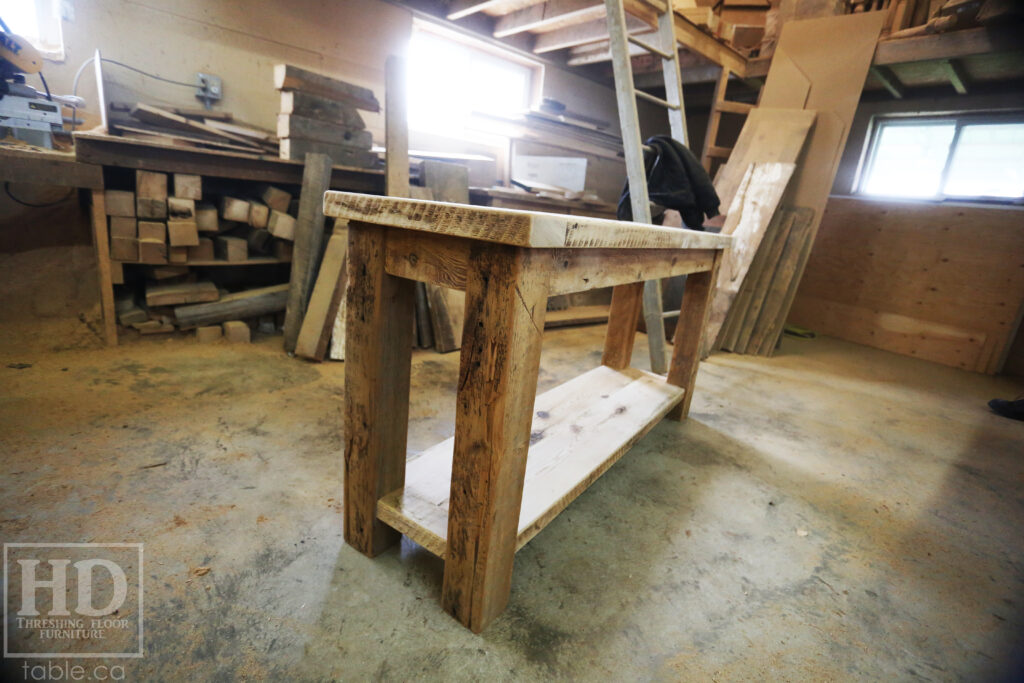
<point>28,114</point>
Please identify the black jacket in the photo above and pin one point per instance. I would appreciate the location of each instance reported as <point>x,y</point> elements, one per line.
<point>675,180</point>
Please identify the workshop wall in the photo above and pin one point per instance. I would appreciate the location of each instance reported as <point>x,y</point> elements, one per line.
<point>938,281</point>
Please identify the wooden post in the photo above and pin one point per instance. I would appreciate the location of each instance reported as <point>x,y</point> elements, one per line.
<point>309,237</point>
<point>378,354</point>
<point>689,335</point>
<point>627,301</point>
<point>99,234</point>
<point>396,129</point>
<point>501,343</point>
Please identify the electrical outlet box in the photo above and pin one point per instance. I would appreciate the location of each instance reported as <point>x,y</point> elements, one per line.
<point>209,88</point>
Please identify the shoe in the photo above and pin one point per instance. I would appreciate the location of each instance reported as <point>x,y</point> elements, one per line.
<point>1011,409</point>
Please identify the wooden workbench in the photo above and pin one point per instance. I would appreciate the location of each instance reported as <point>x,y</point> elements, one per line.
<point>516,459</point>
<point>98,150</point>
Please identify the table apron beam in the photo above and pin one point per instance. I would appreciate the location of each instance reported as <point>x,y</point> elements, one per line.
<point>442,260</point>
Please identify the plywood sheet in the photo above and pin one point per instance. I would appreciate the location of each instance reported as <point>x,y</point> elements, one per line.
<point>948,268</point>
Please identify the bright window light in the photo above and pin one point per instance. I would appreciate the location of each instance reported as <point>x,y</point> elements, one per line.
<point>960,157</point>
<point>449,81</point>
<point>38,22</point>
<point>909,159</point>
<point>988,162</point>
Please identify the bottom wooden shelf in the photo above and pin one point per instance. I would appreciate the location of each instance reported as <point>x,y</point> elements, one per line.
<point>580,429</point>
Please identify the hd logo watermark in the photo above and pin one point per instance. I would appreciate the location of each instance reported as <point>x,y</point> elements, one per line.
<point>72,600</point>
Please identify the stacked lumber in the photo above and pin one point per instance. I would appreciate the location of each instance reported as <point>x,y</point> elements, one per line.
<point>169,230</point>
<point>167,219</point>
<point>908,18</point>
<point>193,128</point>
<point>319,114</point>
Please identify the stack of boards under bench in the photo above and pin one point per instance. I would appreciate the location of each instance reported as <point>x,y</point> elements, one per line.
<point>167,224</point>
<point>320,114</point>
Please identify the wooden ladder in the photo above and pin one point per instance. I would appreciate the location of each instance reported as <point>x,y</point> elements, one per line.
<point>720,106</point>
<point>632,144</point>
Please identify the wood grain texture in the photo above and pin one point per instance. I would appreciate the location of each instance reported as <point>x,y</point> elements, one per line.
<point>103,268</point>
<point>835,91</point>
<point>449,183</point>
<point>768,327</point>
<point>246,304</point>
<point>747,307</point>
<point>288,77</point>
<point>939,282</point>
<point>443,261</point>
<point>579,430</point>
<point>378,348</point>
<point>325,300</point>
<point>751,212</point>
<point>517,228</point>
<point>768,135</point>
<point>625,310</point>
<point>505,307</point>
<point>308,238</point>
<point>693,316</point>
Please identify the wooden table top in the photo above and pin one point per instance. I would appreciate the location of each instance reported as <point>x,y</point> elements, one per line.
<point>533,229</point>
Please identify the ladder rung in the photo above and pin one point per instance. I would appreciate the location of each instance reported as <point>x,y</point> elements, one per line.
<point>650,48</point>
<point>719,152</point>
<point>656,100</point>
<point>734,107</point>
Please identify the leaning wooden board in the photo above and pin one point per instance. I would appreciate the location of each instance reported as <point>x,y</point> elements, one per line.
<point>806,52</point>
<point>753,206</point>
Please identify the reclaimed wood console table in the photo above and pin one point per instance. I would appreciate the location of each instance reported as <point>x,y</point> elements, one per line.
<point>516,460</point>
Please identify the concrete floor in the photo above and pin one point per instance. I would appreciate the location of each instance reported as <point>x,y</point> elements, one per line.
<point>833,513</point>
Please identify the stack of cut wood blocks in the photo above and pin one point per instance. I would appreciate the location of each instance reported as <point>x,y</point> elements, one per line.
<point>153,226</point>
<point>319,115</point>
<point>167,225</point>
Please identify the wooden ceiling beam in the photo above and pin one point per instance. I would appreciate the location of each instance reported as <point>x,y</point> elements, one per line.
<point>584,34</point>
<point>887,77</point>
<point>957,75</point>
<point>690,36</point>
<point>552,15</point>
<point>460,9</point>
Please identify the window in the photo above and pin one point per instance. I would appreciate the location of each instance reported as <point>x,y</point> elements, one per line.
<point>956,157</point>
<point>452,79</point>
<point>38,21</point>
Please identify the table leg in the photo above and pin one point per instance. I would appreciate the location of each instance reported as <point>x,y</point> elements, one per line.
<point>627,301</point>
<point>689,335</point>
<point>378,353</point>
<point>501,342</point>
<point>100,238</point>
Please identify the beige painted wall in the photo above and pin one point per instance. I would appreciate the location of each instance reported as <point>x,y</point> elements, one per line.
<point>237,40</point>
<point>241,41</point>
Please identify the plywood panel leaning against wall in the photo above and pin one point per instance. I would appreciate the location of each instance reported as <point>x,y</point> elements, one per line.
<point>821,65</point>
<point>938,282</point>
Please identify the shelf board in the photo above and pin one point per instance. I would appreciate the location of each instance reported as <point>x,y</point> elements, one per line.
<point>255,261</point>
<point>580,429</point>
<point>577,315</point>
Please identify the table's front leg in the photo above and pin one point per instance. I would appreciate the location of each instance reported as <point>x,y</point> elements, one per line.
<point>378,350</point>
<point>689,335</point>
<point>506,295</point>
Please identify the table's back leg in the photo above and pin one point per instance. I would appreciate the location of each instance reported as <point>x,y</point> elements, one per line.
<point>501,343</point>
<point>378,348</point>
<point>689,335</point>
<point>627,302</point>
